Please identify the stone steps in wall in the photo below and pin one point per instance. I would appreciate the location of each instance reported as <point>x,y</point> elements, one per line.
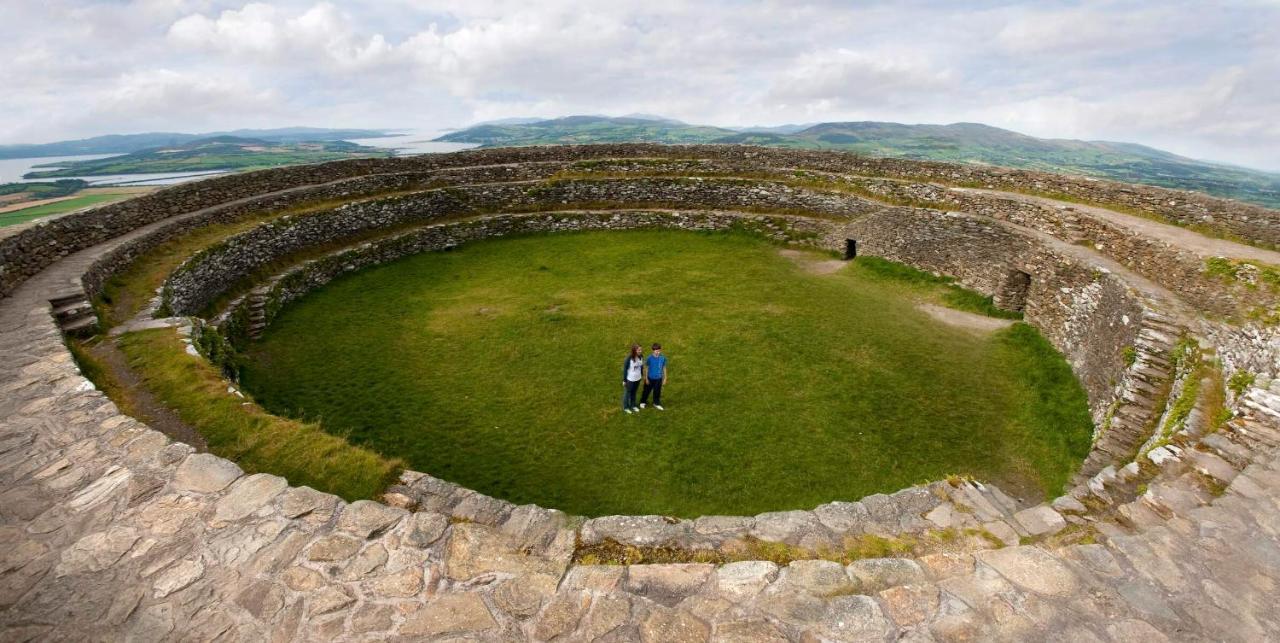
<point>257,304</point>
<point>70,312</point>
<point>66,298</point>
<point>74,314</point>
<point>1185,477</point>
<point>83,327</point>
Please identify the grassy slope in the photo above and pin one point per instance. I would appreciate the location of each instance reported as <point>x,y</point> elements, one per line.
<point>224,153</point>
<point>586,129</point>
<point>497,366</point>
<point>253,438</point>
<point>959,142</point>
<point>27,214</point>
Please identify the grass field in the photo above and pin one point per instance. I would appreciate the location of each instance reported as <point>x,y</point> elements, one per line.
<point>27,214</point>
<point>256,440</point>
<point>498,366</point>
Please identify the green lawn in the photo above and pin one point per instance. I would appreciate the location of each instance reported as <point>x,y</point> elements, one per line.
<point>498,366</point>
<point>256,440</point>
<point>27,214</point>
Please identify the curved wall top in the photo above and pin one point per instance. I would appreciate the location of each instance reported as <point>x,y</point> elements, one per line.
<point>31,248</point>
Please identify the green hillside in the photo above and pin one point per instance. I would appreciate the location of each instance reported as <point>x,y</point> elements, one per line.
<point>220,153</point>
<point>958,142</point>
<point>586,129</point>
<point>126,143</point>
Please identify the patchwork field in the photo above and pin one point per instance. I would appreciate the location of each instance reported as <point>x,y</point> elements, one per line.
<point>498,366</point>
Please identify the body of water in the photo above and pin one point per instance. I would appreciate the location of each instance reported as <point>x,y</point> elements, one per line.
<point>405,142</point>
<point>11,171</point>
<point>414,141</point>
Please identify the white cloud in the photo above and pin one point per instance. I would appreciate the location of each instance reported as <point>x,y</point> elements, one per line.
<point>174,93</point>
<point>1173,74</point>
<point>824,80</point>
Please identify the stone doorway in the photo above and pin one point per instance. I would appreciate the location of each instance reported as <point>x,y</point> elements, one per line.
<point>850,249</point>
<point>1013,293</point>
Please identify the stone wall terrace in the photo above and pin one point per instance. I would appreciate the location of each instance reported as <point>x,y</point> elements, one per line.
<point>24,252</point>
<point>110,531</point>
<point>348,189</point>
<point>205,276</point>
<point>1093,317</point>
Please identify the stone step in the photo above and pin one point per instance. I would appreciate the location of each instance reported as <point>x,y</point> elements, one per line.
<point>82,327</point>
<point>1152,344</point>
<point>1257,435</point>
<point>67,298</point>
<point>1239,456</point>
<point>1263,402</point>
<point>1153,337</point>
<point>1150,375</point>
<point>1139,515</point>
<point>72,311</point>
<point>1211,465</point>
<point>1167,328</point>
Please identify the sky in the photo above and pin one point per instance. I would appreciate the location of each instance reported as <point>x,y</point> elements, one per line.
<point>1196,78</point>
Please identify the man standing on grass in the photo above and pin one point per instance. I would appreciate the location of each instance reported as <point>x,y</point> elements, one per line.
<point>656,367</point>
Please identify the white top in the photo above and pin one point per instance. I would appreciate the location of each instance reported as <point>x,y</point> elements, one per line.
<point>633,370</point>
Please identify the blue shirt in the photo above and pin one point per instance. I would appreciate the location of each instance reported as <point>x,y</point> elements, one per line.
<point>657,365</point>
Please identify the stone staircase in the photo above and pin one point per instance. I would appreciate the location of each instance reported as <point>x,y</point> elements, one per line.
<point>256,302</point>
<point>74,314</point>
<point>1143,394</point>
<point>1191,471</point>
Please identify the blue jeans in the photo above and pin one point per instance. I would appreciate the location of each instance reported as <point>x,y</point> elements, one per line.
<point>629,394</point>
<point>655,387</point>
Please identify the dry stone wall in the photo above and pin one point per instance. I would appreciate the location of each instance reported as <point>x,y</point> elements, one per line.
<point>1088,314</point>
<point>26,251</point>
<point>341,190</point>
<point>201,279</point>
<point>109,530</point>
<point>235,323</point>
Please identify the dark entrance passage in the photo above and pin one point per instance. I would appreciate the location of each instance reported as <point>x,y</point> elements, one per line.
<point>1013,294</point>
<point>850,249</point>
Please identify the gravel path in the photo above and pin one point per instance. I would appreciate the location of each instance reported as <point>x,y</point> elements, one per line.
<point>1173,235</point>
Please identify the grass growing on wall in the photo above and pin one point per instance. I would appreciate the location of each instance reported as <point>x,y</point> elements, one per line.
<point>241,431</point>
<point>498,366</point>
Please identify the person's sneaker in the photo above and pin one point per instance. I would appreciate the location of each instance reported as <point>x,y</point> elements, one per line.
<point>629,411</point>
<point>659,407</point>
<point>642,405</point>
<point>636,409</point>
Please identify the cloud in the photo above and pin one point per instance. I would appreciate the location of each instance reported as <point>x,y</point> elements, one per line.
<point>260,32</point>
<point>183,95</point>
<point>843,78</point>
<point>1173,74</point>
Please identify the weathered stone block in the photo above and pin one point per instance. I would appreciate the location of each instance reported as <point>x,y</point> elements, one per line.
<point>450,614</point>
<point>205,473</point>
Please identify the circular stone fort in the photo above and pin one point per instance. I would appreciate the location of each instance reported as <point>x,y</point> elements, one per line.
<point>144,495</point>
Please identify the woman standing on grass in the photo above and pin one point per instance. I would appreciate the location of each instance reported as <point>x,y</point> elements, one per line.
<point>631,373</point>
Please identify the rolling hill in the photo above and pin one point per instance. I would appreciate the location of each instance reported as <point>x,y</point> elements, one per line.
<point>957,142</point>
<point>218,153</point>
<point>126,143</point>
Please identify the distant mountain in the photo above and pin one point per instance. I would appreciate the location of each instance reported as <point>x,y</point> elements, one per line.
<point>586,129</point>
<point>126,143</point>
<point>213,154</point>
<point>957,142</point>
<point>774,129</point>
